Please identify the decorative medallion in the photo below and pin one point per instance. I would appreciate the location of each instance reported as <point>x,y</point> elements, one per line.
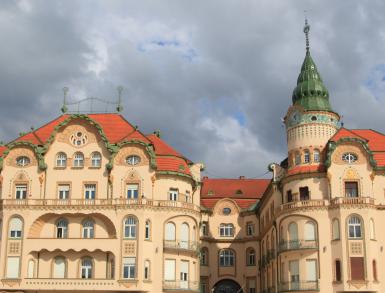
<point>79,139</point>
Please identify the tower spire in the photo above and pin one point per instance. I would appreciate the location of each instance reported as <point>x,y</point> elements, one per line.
<point>306,30</point>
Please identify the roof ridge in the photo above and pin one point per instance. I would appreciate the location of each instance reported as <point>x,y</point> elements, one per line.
<point>134,127</point>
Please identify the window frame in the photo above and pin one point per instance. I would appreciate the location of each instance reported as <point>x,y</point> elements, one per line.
<point>226,230</point>
<point>353,233</point>
<point>96,162</point>
<point>63,232</point>
<point>62,158</point>
<point>130,230</point>
<point>227,258</point>
<point>78,160</point>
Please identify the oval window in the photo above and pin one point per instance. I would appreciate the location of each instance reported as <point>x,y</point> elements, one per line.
<point>22,161</point>
<point>349,158</point>
<point>133,160</point>
<point>226,211</point>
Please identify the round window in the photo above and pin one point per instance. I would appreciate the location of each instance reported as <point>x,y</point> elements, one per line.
<point>23,161</point>
<point>133,160</point>
<point>226,211</point>
<point>79,139</point>
<point>349,157</point>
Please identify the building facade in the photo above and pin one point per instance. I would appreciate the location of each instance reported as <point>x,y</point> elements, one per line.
<point>90,203</point>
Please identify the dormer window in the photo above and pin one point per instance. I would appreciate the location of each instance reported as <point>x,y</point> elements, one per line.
<point>239,192</point>
<point>23,161</point>
<point>133,160</point>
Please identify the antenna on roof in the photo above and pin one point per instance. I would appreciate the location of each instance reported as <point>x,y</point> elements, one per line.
<point>306,30</point>
<point>119,108</point>
<point>64,108</point>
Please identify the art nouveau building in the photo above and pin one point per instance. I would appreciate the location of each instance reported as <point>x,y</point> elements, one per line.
<point>89,203</point>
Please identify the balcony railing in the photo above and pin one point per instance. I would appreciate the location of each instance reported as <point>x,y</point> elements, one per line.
<point>181,286</point>
<point>181,245</point>
<point>298,286</point>
<point>99,202</point>
<point>297,245</point>
<point>304,204</point>
<point>352,200</point>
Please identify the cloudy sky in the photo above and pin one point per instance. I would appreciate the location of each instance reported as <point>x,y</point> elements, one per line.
<point>214,76</point>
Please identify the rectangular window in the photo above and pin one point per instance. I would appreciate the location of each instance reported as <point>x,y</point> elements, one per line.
<point>129,266</point>
<point>13,264</point>
<point>294,273</point>
<point>21,191</point>
<point>351,189</point>
<point>89,191</point>
<point>188,196</point>
<point>357,268</point>
<point>226,230</point>
<point>311,270</point>
<point>289,196</point>
<point>251,285</point>
<point>169,270</point>
<point>250,229</point>
<point>184,268</point>
<point>63,191</point>
<point>132,191</point>
<point>203,286</point>
<point>304,193</point>
<point>204,229</point>
<point>173,194</point>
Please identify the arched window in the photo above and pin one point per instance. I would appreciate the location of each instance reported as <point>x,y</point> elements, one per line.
<point>86,268</point>
<point>335,229</point>
<point>15,228</point>
<point>184,236</point>
<point>96,159</point>
<point>297,158</point>
<point>338,274</point>
<point>147,270</point>
<point>316,156</point>
<point>354,227</point>
<point>293,232</point>
<point>59,267</point>
<point>88,229</point>
<point>147,231</point>
<point>130,227</point>
<point>374,268</point>
<point>226,258</point>
<point>61,160</point>
<point>250,257</point>
<point>170,232</point>
<point>62,228</point>
<point>310,231</point>
<point>204,256</point>
<point>372,229</point>
<point>31,268</point>
<point>78,160</point>
<point>306,157</point>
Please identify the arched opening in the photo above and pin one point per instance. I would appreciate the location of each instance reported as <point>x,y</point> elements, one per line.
<point>59,267</point>
<point>184,235</point>
<point>227,286</point>
<point>310,231</point>
<point>170,232</point>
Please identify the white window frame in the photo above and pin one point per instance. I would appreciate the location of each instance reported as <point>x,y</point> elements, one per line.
<point>226,258</point>
<point>173,194</point>
<point>130,227</point>
<point>96,160</point>
<point>89,191</point>
<point>21,191</point>
<point>63,191</point>
<point>129,268</point>
<point>88,229</point>
<point>132,190</point>
<point>61,160</point>
<point>226,230</point>
<point>78,160</point>
<point>62,228</point>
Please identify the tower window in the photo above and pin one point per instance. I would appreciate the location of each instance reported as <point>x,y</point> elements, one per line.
<point>297,158</point>
<point>306,157</point>
<point>304,193</point>
<point>351,189</point>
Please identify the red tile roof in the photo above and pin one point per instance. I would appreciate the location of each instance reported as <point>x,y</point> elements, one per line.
<point>306,169</point>
<point>343,132</point>
<point>117,129</point>
<point>2,149</point>
<point>215,189</point>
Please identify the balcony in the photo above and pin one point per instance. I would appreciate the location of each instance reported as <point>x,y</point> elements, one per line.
<point>271,255</point>
<point>307,286</point>
<point>297,245</point>
<point>191,246</point>
<point>352,201</point>
<point>91,203</point>
<point>314,203</point>
<point>185,286</point>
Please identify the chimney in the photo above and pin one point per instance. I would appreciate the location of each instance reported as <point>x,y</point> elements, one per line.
<point>205,177</point>
<point>242,177</point>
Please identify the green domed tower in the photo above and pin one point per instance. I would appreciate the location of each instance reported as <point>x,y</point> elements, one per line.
<point>310,121</point>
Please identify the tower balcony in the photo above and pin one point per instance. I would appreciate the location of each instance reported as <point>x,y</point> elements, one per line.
<point>352,201</point>
<point>301,204</point>
<point>294,245</point>
<point>181,286</point>
<point>302,286</point>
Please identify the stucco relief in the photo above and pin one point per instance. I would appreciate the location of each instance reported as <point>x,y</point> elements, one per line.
<point>126,151</point>
<point>349,148</point>
<point>18,152</point>
<point>221,205</point>
<point>69,133</point>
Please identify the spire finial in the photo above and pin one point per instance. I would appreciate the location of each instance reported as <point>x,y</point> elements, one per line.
<point>119,108</point>
<point>64,107</point>
<point>306,30</point>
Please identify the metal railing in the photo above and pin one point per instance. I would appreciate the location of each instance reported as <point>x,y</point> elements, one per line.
<point>181,245</point>
<point>298,286</point>
<point>99,202</point>
<point>297,245</point>
<point>181,285</point>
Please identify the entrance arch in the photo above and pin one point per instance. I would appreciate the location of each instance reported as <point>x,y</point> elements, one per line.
<point>227,286</point>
